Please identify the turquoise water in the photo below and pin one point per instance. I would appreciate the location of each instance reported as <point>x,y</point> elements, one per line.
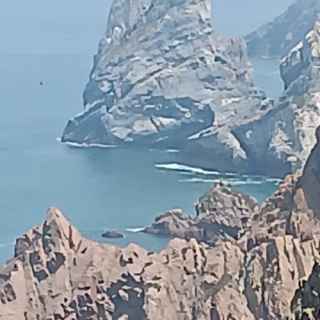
<point>97,189</point>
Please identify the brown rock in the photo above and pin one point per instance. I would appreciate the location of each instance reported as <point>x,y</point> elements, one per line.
<point>220,214</point>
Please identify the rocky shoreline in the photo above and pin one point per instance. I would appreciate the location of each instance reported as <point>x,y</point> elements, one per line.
<point>253,272</point>
<point>182,84</point>
<point>186,87</point>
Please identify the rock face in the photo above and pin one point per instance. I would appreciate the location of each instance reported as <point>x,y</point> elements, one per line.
<point>58,274</point>
<point>113,234</point>
<point>220,214</point>
<point>306,303</point>
<point>284,137</point>
<point>162,77</point>
<point>278,37</point>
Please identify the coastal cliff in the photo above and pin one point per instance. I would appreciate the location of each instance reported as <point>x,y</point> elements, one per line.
<point>284,137</point>
<point>58,274</point>
<point>163,77</point>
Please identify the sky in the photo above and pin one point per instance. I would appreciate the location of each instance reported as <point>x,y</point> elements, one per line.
<point>75,26</point>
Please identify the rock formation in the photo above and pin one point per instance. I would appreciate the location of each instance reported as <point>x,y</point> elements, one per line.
<point>306,302</point>
<point>220,214</point>
<point>113,234</point>
<point>163,77</point>
<point>278,37</point>
<point>58,274</point>
<point>284,137</point>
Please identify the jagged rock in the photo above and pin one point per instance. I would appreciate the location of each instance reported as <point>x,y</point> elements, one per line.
<point>306,302</point>
<point>65,276</point>
<point>284,137</point>
<point>162,77</point>
<point>174,223</point>
<point>220,214</point>
<point>308,195</point>
<point>113,234</point>
<point>58,274</point>
<point>294,208</point>
<point>278,37</point>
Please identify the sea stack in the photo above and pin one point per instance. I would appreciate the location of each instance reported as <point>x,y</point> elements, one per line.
<point>163,77</point>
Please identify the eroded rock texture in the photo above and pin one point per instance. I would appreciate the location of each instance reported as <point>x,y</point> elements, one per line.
<point>284,137</point>
<point>162,77</point>
<point>220,214</point>
<point>57,274</point>
<point>60,275</point>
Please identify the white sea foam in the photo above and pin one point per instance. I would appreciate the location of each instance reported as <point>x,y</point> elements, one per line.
<point>172,151</point>
<point>87,145</point>
<point>135,230</point>
<point>275,180</point>
<point>230,174</point>
<point>245,182</point>
<point>185,168</point>
<point>199,180</point>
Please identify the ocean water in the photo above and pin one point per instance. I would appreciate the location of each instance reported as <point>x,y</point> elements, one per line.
<point>53,43</point>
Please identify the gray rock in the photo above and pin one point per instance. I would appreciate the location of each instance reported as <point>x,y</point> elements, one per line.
<point>278,37</point>
<point>164,77</point>
<point>283,138</point>
<point>112,234</point>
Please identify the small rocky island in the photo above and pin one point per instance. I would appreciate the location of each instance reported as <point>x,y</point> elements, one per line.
<point>113,234</point>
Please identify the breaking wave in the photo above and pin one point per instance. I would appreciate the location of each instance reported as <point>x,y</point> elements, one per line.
<point>87,145</point>
<point>134,230</point>
<point>184,168</point>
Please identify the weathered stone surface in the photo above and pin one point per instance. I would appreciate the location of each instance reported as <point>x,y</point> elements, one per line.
<point>284,137</point>
<point>162,77</point>
<point>57,274</point>
<point>278,37</point>
<point>220,214</point>
<point>64,276</point>
<point>112,234</point>
<point>306,302</point>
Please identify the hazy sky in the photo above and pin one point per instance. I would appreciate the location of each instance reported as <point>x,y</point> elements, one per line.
<point>73,26</point>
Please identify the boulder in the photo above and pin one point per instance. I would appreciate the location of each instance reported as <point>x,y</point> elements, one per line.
<point>113,234</point>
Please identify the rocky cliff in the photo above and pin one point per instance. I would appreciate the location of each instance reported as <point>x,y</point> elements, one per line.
<point>278,37</point>
<point>162,77</point>
<point>220,214</point>
<point>306,303</point>
<point>284,137</point>
<point>58,274</point>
